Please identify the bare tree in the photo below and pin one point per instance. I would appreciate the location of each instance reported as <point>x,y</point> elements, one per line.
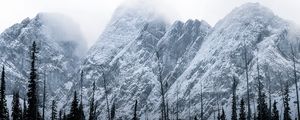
<point>295,79</point>
<point>160,79</point>
<point>268,77</point>
<point>201,102</point>
<point>247,79</point>
<point>44,97</point>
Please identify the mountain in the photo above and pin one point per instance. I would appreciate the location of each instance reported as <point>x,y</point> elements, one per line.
<point>125,60</point>
<point>60,46</point>
<point>192,55</point>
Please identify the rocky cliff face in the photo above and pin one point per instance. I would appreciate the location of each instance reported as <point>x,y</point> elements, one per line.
<point>59,43</point>
<point>192,55</point>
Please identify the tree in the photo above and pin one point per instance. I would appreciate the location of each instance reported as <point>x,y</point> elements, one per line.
<point>74,111</point>
<point>32,112</point>
<point>3,107</point>
<point>16,107</point>
<point>295,80</point>
<point>223,116</point>
<point>44,97</point>
<point>162,92</point>
<point>53,110</point>
<point>219,114</point>
<point>106,95</point>
<point>247,79</point>
<point>286,113</point>
<point>195,118</point>
<point>24,113</point>
<point>267,74</point>
<point>92,114</point>
<point>113,111</point>
<point>135,111</point>
<point>242,110</point>
<point>201,102</point>
<point>233,108</point>
<point>60,117</point>
<point>65,116</point>
<point>81,112</point>
<point>275,113</point>
<point>262,107</point>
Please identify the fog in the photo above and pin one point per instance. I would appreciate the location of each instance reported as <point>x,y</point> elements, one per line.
<point>93,15</point>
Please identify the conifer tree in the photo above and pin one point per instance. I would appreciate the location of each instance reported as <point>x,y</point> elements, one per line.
<point>65,116</point>
<point>219,114</point>
<point>223,116</point>
<point>74,111</point>
<point>195,118</point>
<point>242,110</point>
<point>16,107</point>
<point>135,111</point>
<point>233,108</point>
<point>113,111</point>
<point>3,106</point>
<point>24,113</point>
<point>286,113</point>
<point>262,107</point>
<point>53,110</point>
<point>32,112</point>
<point>81,112</point>
<point>275,112</point>
<point>92,104</point>
<point>60,117</point>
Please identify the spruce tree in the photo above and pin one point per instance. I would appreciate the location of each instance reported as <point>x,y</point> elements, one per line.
<point>219,114</point>
<point>275,112</point>
<point>223,116</point>
<point>81,112</point>
<point>113,111</point>
<point>24,113</point>
<point>74,111</point>
<point>16,107</point>
<point>242,110</point>
<point>286,112</point>
<point>65,116</point>
<point>60,117</point>
<point>53,110</point>
<point>262,107</point>
<point>195,118</point>
<point>3,107</point>
<point>135,111</point>
<point>233,108</point>
<point>92,114</point>
<point>32,112</point>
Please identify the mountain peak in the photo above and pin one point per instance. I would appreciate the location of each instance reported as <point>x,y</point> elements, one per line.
<point>248,13</point>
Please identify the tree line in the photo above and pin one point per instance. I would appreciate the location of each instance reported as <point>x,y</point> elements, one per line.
<point>31,109</point>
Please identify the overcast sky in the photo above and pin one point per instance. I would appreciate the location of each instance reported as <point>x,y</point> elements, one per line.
<point>93,15</point>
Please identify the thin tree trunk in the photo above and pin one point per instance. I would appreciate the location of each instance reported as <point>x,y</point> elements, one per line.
<point>295,80</point>
<point>247,79</point>
<point>44,97</point>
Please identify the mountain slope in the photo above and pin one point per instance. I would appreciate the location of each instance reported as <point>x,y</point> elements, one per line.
<point>58,57</point>
<point>193,55</point>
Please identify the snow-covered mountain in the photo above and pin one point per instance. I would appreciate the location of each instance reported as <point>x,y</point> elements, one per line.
<point>59,43</point>
<point>192,54</point>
